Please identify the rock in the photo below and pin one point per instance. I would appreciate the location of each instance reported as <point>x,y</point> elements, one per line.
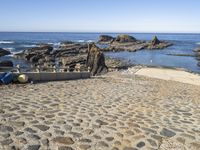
<point>125,39</point>
<point>42,127</point>
<point>5,128</point>
<point>129,43</point>
<point>30,130</point>
<point>4,52</point>
<point>155,41</point>
<point>6,63</point>
<point>65,148</point>
<point>84,146</point>
<point>140,144</point>
<point>36,54</point>
<point>33,147</point>
<point>167,133</point>
<point>96,60</point>
<point>17,123</point>
<point>64,140</point>
<point>105,39</point>
<point>7,142</point>
<point>157,44</point>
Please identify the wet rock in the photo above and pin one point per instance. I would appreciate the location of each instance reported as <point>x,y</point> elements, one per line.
<point>4,52</point>
<point>96,60</point>
<point>33,147</point>
<point>64,140</point>
<point>167,133</point>
<point>42,127</point>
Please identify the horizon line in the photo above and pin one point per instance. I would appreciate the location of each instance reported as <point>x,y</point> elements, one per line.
<point>109,32</point>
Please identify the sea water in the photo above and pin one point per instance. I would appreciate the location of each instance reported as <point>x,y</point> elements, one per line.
<point>182,44</point>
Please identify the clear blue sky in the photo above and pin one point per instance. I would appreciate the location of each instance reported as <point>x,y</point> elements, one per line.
<point>100,15</point>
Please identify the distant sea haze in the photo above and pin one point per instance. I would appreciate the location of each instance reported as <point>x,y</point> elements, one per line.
<point>183,44</point>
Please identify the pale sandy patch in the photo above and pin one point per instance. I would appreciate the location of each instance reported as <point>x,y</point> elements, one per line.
<point>170,74</point>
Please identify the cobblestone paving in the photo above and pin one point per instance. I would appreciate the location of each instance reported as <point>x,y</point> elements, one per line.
<point>115,112</point>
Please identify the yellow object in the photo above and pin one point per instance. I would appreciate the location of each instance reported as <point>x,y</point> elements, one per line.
<point>22,78</point>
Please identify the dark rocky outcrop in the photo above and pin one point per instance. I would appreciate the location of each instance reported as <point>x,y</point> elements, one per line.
<point>106,39</point>
<point>155,41</point>
<point>124,38</point>
<point>4,52</point>
<point>37,55</point>
<point>96,60</point>
<point>197,54</point>
<point>157,44</point>
<point>129,43</point>
<point>5,63</point>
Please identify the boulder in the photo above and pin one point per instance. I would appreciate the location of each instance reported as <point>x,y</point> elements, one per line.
<point>123,38</point>
<point>105,39</point>
<point>96,60</point>
<point>4,52</point>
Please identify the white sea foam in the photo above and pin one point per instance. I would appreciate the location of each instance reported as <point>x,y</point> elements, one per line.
<point>198,43</point>
<point>33,45</point>
<point>90,41</point>
<point>81,41</point>
<point>9,48</point>
<point>7,42</point>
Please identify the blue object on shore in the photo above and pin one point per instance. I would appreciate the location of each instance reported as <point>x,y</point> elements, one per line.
<point>6,78</point>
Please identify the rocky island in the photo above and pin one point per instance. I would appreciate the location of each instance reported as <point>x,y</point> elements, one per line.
<point>129,43</point>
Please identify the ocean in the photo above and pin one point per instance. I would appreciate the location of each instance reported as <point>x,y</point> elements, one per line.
<point>183,44</point>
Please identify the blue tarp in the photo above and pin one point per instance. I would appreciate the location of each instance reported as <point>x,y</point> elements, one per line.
<point>6,78</point>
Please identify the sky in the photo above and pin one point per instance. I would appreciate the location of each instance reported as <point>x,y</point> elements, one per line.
<point>100,16</point>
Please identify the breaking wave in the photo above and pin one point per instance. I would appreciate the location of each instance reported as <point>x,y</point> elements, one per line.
<point>7,42</point>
